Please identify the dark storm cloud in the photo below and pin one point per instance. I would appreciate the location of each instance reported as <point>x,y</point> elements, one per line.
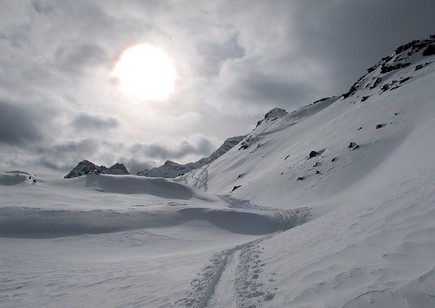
<point>18,125</point>
<point>349,36</point>
<point>255,89</point>
<point>137,157</point>
<point>63,156</point>
<point>323,46</point>
<point>83,122</point>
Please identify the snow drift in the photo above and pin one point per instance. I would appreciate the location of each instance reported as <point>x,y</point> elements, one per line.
<point>124,184</point>
<point>16,177</point>
<point>44,223</point>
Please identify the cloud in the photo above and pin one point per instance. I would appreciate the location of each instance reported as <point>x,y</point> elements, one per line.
<point>65,155</point>
<point>18,125</point>
<point>87,122</point>
<point>246,86</point>
<point>62,156</point>
<point>213,53</point>
<point>203,147</point>
<point>75,58</point>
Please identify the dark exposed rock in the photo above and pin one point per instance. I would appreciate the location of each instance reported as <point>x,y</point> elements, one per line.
<point>301,178</point>
<point>364,98</point>
<point>385,87</point>
<point>376,83</point>
<point>236,187</point>
<point>248,142</point>
<point>313,154</point>
<point>406,46</point>
<point>371,69</point>
<point>404,80</point>
<point>351,92</point>
<point>118,168</point>
<point>82,168</point>
<point>380,125</point>
<point>353,145</point>
<point>334,159</point>
<point>429,51</point>
<point>389,68</point>
<point>85,167</point>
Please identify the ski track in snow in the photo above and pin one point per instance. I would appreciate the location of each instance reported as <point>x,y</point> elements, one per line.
<point>230,279</point>
<point>200,178</point>
<point>225,291</point>
<point>234,277</point>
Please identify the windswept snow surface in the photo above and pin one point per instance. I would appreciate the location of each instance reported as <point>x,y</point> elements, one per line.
<point>332,205</point>
<point>104,240</point>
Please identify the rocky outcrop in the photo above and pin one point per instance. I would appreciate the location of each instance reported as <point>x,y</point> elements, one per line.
<point>85,167</point>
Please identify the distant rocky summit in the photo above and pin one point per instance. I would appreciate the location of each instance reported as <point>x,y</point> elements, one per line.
<point>172,169</point>
<point>272,115</point>
<point>84,167</point>
<point>118,168</point>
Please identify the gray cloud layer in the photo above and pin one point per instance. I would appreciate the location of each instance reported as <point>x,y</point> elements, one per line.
<point>235,59</point>
<point>17,125</point>
<point>86,122</point>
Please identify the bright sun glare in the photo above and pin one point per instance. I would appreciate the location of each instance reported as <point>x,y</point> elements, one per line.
<point>145,72</point>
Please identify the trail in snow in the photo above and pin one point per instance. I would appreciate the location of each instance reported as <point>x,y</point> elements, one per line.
<point>203,286</point>
<point>200,178</point>
<point>225,291</point>
<point>234,277</point>
<point>252,282</point>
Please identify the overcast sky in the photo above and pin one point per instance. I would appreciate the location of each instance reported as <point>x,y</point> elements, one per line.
<point>235,61</point>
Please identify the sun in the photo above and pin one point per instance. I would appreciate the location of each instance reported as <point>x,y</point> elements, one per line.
<point>145,72</point>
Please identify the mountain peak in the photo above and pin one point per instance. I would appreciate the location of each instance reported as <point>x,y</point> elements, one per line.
<point>275,113</point>
<point>85,167</point>
<point>404,57</point>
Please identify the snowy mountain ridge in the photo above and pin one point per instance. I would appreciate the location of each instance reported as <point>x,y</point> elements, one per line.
<point>172,169</point>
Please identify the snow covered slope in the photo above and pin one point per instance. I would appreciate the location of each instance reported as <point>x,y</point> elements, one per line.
<point>382,111</point>
<point>328,206</point>
<point>364,164</point>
